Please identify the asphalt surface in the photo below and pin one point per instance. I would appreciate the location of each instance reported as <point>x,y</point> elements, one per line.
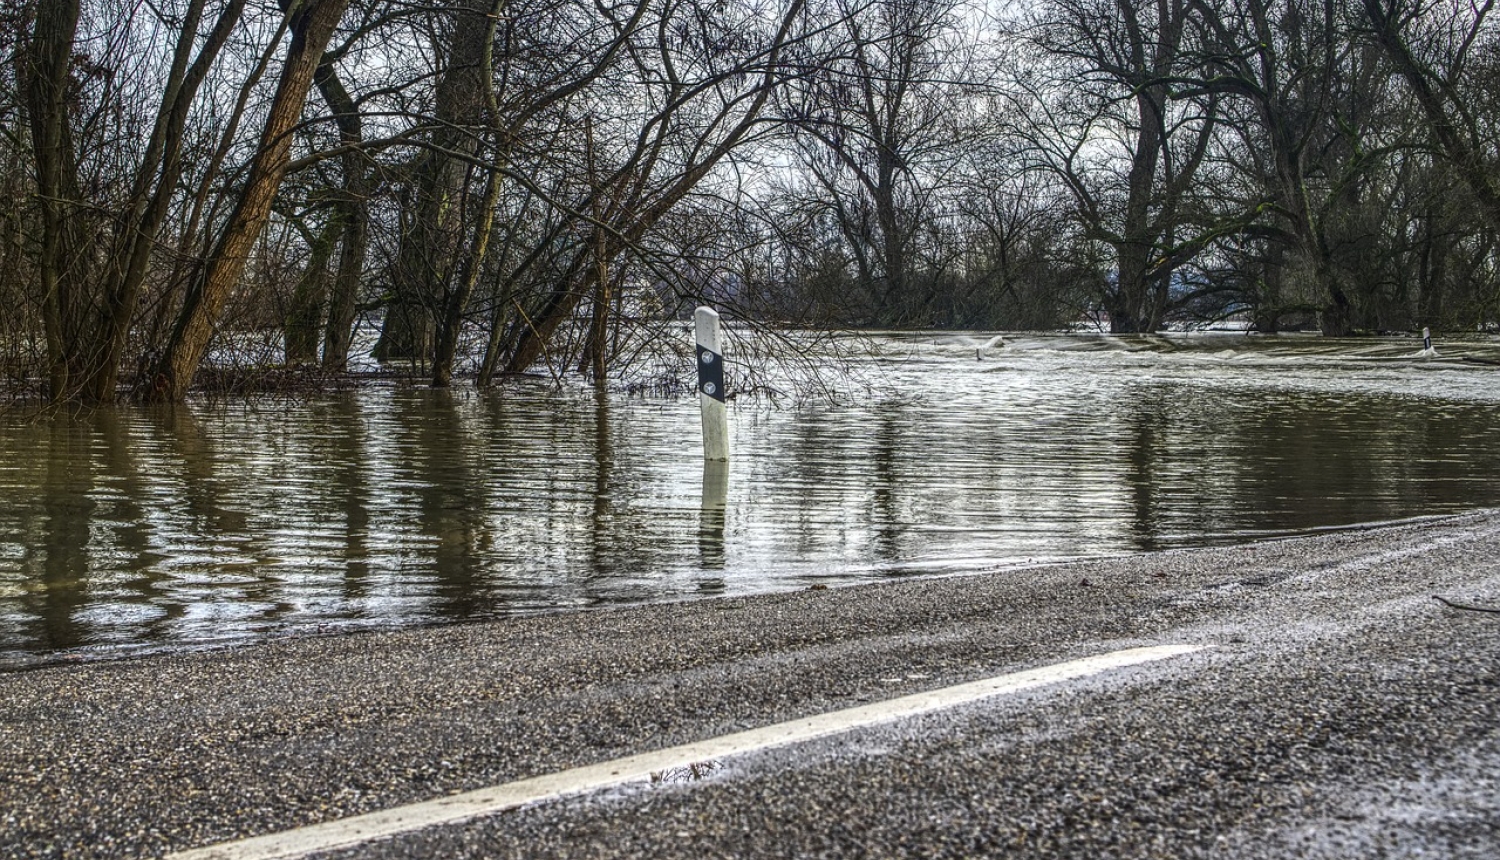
<point>1336,711</point>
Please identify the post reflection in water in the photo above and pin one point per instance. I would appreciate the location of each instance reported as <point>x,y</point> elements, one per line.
<point>711,520</point>
<point>138,527</point>
<point>603,497</point>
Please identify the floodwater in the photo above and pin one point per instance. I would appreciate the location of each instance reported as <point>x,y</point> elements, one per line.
<point>140,528</point>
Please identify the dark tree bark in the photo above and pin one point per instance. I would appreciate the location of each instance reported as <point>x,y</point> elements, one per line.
<point>302,327</point>
<point>49,56</point>
<point>456,299</point>
<point>432,247</point>
<point>354,216</point>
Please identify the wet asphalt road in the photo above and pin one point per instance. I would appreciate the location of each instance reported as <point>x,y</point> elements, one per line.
<point>1338,712</point>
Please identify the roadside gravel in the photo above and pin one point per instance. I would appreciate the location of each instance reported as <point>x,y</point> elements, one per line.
<point>1338,712</point>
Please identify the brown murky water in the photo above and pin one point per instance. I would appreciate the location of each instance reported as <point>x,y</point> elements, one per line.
<point>140,528</point>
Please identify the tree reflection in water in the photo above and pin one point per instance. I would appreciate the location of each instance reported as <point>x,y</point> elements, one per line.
<point>140,527</point>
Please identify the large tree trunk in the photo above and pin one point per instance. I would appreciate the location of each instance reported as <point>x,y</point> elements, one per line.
<point>343,299</point>
<point>471,268</point>
<point>897,303</point>
<point>458,300</point>
<point>1133,308</point>
<point>48,61</point>
<point>595,349</point>
<point>431,248</point>
<point>1337,317</point>
<point>1267,315</point>
<point>312,23</point>
<point>301,327</point>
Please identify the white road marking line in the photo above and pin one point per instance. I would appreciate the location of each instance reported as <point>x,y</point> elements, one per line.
<point>481,802</point>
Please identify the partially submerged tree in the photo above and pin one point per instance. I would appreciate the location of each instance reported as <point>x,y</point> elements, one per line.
<point>878,130</point>
<point>310,24</point>
<point>497,186</point>
<point>1102,114</point>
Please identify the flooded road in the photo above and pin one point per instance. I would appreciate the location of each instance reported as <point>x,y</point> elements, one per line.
<point>144,528</point>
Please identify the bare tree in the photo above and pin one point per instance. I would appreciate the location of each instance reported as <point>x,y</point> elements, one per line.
<point>1294,67</point>
<point>433,237</point>
<point>880,126</point>
<point>1436,77</point>
<point>311,24</point>
<point>1101,113</point>
<point>712,80</point>
<point>48,59</point>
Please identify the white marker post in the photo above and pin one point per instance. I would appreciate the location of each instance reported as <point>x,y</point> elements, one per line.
<point>711,384</point>
<point>1426,339</point>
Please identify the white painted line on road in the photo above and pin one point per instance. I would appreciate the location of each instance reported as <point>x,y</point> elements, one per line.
<point>454,808</point>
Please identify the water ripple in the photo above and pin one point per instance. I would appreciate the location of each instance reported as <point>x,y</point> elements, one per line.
<point>143,528</point>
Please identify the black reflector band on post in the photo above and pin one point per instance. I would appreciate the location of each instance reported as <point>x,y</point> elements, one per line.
<point>710,373</point>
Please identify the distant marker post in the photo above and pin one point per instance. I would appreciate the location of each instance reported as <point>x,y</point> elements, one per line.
<point>1426,338</point>
<point>710,358</point>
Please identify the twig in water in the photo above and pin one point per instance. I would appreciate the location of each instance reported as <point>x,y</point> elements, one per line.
<point>1446,602</point>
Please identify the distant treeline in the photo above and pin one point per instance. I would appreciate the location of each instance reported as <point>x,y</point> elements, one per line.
<point>490,184</point>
